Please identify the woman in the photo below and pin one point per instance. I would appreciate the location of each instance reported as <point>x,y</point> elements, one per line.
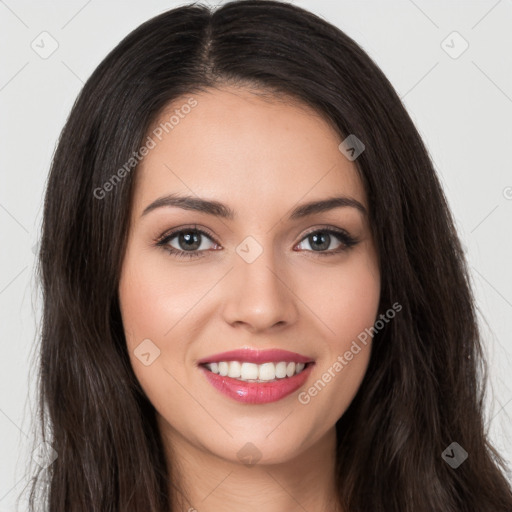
<point>254,294</point>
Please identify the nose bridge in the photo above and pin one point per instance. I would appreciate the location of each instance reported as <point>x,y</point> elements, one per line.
<point>258,293</point>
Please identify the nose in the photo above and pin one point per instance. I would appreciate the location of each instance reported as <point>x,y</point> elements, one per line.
<point>259,295</point>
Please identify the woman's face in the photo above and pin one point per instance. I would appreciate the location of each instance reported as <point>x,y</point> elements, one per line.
<point>273,276</point>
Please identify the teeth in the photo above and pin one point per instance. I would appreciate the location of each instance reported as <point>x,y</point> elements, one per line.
<point>267,371</point>
<point>249,370</point>
<point>234,369</point>
<point>223,368</point>
<point>281,370</point>
<point>252,372</point>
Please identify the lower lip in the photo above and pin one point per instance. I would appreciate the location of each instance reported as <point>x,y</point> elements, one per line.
<point>257,392</point>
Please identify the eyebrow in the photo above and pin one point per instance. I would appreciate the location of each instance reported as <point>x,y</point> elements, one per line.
<point>217,209</point>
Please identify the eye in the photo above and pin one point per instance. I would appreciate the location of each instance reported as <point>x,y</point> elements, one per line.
<point>321,239</point>
<point>190,242</point>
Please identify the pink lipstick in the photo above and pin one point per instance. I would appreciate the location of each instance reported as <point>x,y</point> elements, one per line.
<point>256,376</point>
<point>256,356</point>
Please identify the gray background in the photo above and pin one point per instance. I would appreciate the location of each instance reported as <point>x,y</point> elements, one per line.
<point>461,104</point>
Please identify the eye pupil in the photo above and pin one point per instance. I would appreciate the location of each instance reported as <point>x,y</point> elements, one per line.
<point>317,237</point>
<point>191,241</point>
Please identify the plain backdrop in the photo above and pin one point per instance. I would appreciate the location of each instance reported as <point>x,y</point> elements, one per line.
<point>450,62</point>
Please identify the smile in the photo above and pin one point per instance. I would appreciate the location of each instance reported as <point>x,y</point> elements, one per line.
<point>256,377</point>
<point>251,372</point>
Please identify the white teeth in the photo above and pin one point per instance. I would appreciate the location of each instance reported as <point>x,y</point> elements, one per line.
<point>281,370</point>
<point>249,371</point>
<point>234,369</point>
<point>299,367</point>
<point>267,371</point>
<point>223,368</point>
<point>256,372</point>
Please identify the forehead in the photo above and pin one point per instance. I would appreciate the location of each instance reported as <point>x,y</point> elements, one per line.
<point>244,150</point>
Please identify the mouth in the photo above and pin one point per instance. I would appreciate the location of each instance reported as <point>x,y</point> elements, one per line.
<point>252,372</point>
<point>256,377</point>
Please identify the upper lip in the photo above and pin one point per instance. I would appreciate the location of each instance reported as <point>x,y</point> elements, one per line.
<point>249,355</point>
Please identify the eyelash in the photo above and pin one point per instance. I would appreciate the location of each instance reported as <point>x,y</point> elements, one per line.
<point>347,242</point>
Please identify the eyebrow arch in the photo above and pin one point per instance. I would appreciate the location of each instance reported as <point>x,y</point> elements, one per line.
<point>218,209</point>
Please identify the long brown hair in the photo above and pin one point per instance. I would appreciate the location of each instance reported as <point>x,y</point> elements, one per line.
<point>425,383</point>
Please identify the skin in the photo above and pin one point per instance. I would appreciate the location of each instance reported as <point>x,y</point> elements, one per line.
<point>261,157</point>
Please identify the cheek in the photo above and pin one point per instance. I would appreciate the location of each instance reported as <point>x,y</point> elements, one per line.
<point>354,303</point>
<point>141,303</point>
<point>161,303</point>
<point>150,308</point>
<point>152,299</point>
<point>347,302</point>
<point>144,298</point>
<point>344,297</point>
